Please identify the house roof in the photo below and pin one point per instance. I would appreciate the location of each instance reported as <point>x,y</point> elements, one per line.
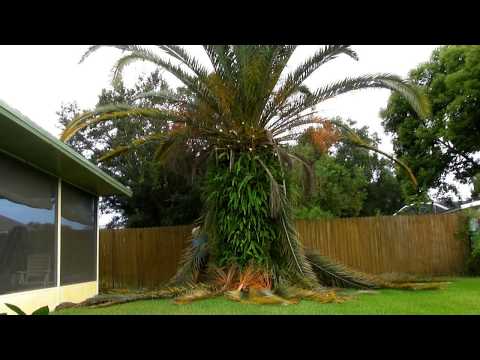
<point>24,140</point>
<point>432,206</point>
<point>470,204</point>
<point>467,205</point>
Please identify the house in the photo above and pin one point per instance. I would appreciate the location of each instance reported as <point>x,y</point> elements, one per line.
<point>48,217</point>
<point>423,208</point>
<point>472,205</point>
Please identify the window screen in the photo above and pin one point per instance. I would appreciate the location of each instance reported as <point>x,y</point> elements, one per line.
<point>78,261</point>
<point>27,227</point>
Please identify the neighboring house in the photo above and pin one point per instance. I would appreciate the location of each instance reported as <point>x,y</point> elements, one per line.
<point>472,205</point>
<point>474,223</point>
<point>48,217</point>
<point>436,208</point>
<point>423,208</point>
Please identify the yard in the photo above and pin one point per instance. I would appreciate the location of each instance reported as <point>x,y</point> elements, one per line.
<point>460,297</point>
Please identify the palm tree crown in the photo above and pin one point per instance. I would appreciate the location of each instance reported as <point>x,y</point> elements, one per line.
<point>244,102</point>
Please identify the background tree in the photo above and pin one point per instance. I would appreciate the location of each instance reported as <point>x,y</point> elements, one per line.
<point>383,190</point>
<point>163,195</point>
<point>447,141</point>
<point>350,181</point>
<point>476,187</point>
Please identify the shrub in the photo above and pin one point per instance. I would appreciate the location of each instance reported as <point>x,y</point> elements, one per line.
<point>473,261</point>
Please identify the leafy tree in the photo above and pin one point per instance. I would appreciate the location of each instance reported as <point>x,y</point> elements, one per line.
<point>476,186</point>
<point>383,191</point>
<point>447,141</point>
<point>163,195</point>
<point>351,181</point>
<point>242,113</point>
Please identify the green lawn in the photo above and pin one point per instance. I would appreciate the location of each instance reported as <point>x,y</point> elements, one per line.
<point>462,296</point>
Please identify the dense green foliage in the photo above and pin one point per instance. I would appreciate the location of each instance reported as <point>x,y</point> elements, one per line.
<point>447,141</point>
<point>339,191</point>
<point>473,260</point>
<point>243,227</point>
<point>163,195</point>
<point>350,181</point>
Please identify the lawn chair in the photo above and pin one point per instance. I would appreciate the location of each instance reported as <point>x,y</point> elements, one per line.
<point>38,270</point>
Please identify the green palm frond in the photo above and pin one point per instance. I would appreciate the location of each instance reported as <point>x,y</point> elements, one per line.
<point>160,95</point>
<point>321,57</point>
<point>180,54</point>
<point>223,61</point>
<point>138,53</point>
<point>294,80</point>
<point>417,100</point>
<point>333,274</point>
<point>132,146</point>
<point>193,262</point>
<point>308,174</point>
<point>89,119</point>
<point>356,140</point>
<point>119,67</point>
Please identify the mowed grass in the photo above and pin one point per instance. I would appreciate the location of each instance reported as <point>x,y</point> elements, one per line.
<point>462,296</point>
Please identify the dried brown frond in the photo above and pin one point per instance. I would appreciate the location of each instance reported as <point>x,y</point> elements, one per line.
<point>322,296</point>
<point>396,277</point>
<point>266,297</point>
<point>226,280</point>
<point>252,277</point>
<point>258,297</point>
<point>199,292</point>
<point>323,138</point>
<point>417,286</point>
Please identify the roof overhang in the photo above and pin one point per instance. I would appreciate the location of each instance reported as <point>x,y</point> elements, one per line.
<point>24,140</point>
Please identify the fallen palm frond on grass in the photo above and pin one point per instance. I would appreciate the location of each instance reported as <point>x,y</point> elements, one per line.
<point>331,273</point>
<point>253,285</point>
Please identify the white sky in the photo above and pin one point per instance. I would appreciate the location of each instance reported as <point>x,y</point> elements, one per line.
<point>36,79</point>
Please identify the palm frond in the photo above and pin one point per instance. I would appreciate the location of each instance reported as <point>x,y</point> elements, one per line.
<point>321,57</point>
<point>416,99</point>
<point>90,51</point>
<point>225,280</point>
<point>258,296</point>
<point>295,80</point>
<point>159,95</point>
<point>180,54</point>
<point>102,114</point>
<point>172,144</point>
<point>322,296</point>
<point>275,192</point>
<point>308,173</point>
<point>331,273</point>
<point>199,292</point>
<point>132,146</point>
<point>192,263</point>
<point>223,61</point>
<point>356,140</point>
<point>119,67</point>
<point>194,83</point>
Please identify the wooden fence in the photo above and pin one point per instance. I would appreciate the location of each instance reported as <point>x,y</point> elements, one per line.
<point>427,245</point>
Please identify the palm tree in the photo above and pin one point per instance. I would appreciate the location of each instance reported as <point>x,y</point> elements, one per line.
<point>241,114</point>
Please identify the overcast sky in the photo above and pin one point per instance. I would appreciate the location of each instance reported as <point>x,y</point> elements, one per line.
<point>37,79</point>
